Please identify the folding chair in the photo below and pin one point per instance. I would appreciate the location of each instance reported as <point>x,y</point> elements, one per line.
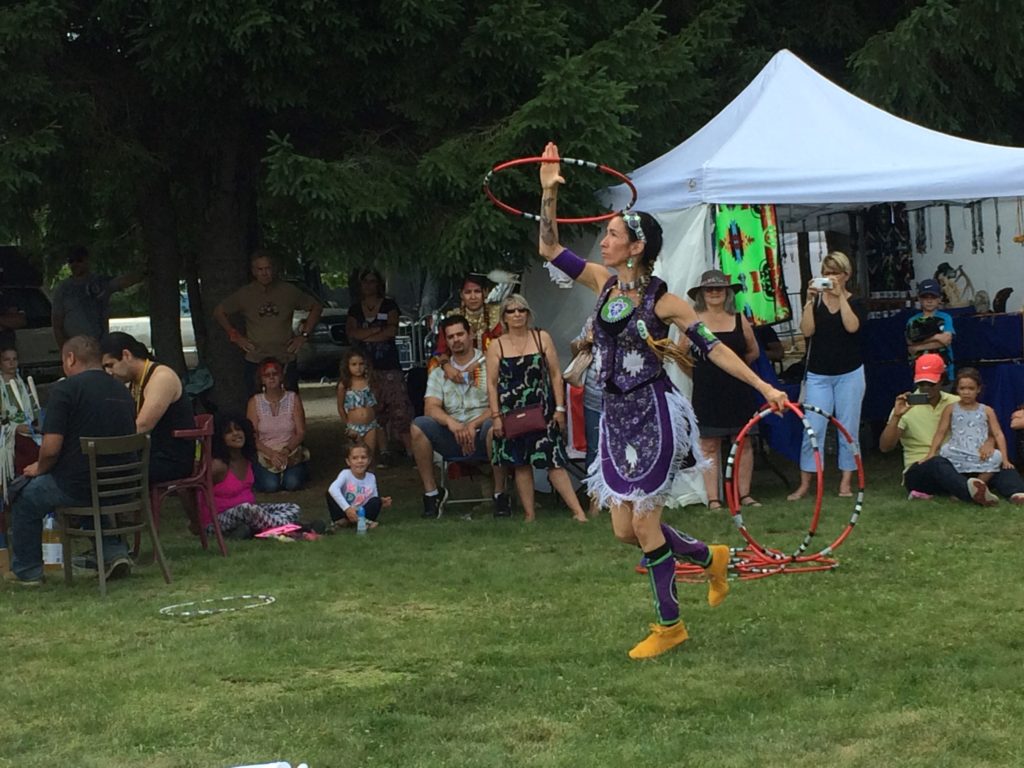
<point>445,464</point>
<point>120,500</point>
<point>200,481</point>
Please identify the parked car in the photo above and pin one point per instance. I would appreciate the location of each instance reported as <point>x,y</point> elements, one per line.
<point>139,327</point>
<point>322,354</point>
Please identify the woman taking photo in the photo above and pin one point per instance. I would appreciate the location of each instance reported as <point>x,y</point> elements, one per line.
<point>831,324</point>
<point>723,404</point>
<point>523,371</point>
<point>279,421</point>
<point>648,433</point>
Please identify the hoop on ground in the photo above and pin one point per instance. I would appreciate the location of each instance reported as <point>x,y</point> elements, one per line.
<point>566,161</point>
<point>756,561</point>
<point>218,605</point>
<point>771,560</point>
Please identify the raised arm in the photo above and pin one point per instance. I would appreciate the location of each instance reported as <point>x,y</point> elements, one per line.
<point>594,276</point>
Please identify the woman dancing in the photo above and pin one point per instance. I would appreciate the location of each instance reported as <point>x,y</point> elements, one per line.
<point>648,432</point>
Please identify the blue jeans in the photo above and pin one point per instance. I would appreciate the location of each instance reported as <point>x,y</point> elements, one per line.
<point>292,479</point>
<point>39,498</point>
<point>938,477</point>
<point>841,396</point>
<point>443,440</point>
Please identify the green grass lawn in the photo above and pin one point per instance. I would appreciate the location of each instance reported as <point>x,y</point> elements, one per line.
<point>496,643</point>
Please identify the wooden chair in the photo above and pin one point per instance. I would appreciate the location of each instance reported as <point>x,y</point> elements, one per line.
<point>120,500</point>
<point>200,481</point>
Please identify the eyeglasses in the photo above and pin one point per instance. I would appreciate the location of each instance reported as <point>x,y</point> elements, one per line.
<point>516,311</point>
<point>715,288</point>
<point>633,222</point>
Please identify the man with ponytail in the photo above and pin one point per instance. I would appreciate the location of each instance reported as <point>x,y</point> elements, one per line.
<point>648,432</point>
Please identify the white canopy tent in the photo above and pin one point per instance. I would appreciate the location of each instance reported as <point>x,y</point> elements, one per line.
<point>794,137</point>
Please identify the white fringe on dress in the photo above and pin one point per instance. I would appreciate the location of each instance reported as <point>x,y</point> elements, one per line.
<point>685,438</point>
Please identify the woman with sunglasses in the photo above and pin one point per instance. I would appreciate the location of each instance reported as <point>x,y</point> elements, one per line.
<point>831,323</point>
<point>648,430</point>
<point>523,370</point>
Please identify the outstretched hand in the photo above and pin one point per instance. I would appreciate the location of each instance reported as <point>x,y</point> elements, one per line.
<point>551,173</point>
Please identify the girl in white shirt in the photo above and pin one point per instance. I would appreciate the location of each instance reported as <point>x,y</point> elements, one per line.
<point>353,488</point>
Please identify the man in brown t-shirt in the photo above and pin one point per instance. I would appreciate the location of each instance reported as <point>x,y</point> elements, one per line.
<point>267,305</point>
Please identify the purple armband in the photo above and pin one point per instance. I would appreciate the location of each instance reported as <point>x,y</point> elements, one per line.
<point>702,339</point>
<point>570,263</point>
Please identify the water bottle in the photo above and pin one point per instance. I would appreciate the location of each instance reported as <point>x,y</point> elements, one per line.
<point>360,521</point>
<point>53,552</point>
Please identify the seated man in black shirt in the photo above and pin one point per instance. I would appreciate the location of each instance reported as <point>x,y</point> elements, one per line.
<point>161,404</point>
<point>88,403</point>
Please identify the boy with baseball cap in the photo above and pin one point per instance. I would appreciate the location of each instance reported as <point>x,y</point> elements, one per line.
<point>931,330</point>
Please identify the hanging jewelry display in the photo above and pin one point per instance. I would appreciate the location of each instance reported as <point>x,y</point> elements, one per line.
<point>821,240</point>
<point>974,229</point>
<point>999,229</point>
<point>920,241</point>
<point>978,207</point>
<point>949,232</point>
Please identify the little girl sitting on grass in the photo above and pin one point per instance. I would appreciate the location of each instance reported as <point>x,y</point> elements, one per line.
<point>356,403</point>
<point>234,453</point>
<point>970,425</point>
<point>353,488</point>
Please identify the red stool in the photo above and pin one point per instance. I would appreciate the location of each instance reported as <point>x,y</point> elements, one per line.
<point>201,480</point>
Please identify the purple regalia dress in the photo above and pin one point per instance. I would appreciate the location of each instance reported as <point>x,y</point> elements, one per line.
<point>648,431</point>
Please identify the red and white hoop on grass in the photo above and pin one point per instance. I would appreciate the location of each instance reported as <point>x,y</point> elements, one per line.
<point>618,175</point>
<point>755,561</point>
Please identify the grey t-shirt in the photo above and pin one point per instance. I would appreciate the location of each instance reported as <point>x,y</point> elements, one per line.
<point>84,305</point>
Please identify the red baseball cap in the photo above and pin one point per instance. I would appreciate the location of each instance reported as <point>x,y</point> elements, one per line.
<point>929,367</point>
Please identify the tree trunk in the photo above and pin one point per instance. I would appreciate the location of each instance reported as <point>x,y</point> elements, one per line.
<point>227,239</point>
<point>160,235</point>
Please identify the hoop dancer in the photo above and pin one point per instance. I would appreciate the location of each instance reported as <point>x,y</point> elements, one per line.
<point>648,432</point>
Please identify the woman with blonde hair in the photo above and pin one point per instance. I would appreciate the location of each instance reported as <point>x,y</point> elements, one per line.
<point>523,371</point>
<point>831,324</point>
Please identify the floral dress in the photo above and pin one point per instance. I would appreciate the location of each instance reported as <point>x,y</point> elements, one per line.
<point>523,381</point>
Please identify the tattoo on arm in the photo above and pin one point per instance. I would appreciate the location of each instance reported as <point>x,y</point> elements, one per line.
<point>547,225</point>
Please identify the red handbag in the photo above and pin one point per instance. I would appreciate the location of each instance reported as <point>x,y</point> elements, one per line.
<point>528,420</point>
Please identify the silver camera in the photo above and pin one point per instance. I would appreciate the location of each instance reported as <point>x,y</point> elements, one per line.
<point>822,283</point>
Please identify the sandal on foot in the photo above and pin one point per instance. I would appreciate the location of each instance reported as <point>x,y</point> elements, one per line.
<point>714,505</point>
<point>796,495</point>
<point>749,501</point>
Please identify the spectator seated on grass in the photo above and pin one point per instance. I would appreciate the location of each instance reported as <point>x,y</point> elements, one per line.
<point>456,421</point>
<point>914,426</point>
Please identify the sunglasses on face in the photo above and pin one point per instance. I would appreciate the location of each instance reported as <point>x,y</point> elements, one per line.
<point>516,311</point>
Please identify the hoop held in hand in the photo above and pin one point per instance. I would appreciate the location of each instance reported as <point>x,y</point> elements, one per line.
<point>618,175</point>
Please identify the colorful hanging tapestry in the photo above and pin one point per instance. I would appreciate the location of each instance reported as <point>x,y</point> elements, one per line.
<point>746,241</point>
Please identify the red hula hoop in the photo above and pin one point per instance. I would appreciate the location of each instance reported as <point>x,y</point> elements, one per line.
<point>756,561</point>
<point>568,161</point>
